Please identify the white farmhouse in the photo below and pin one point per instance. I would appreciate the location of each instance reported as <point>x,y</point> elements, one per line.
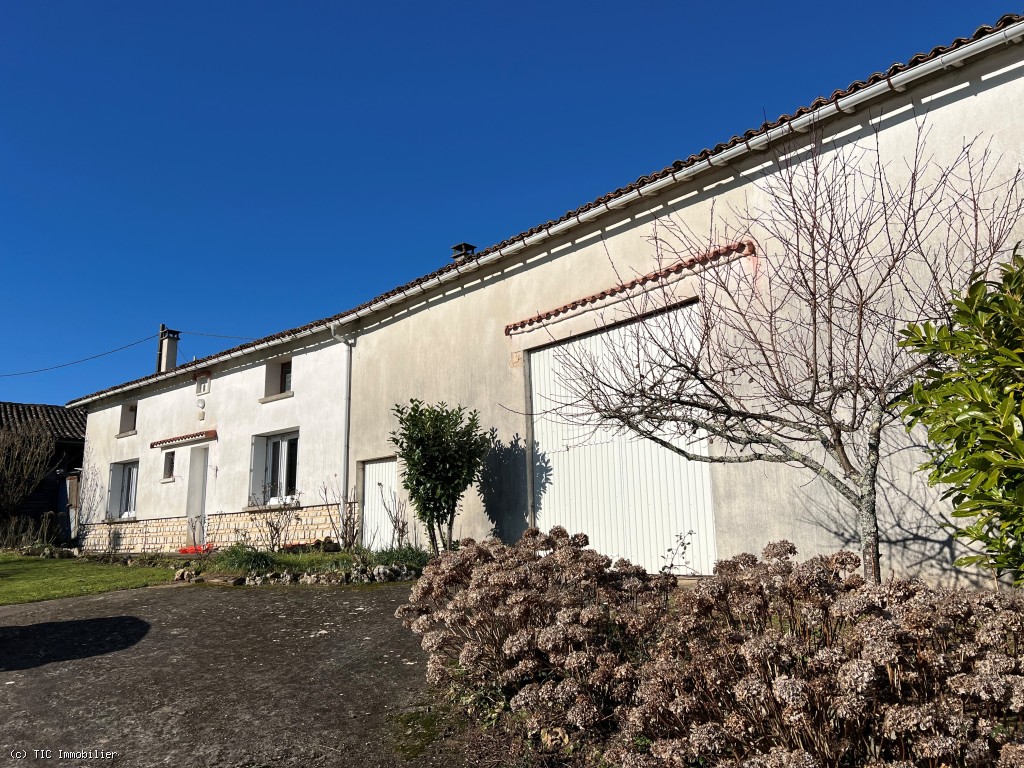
<point>186,454</point>
<point>176,459</point>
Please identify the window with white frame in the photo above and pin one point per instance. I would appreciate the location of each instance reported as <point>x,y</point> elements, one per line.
<point>276,468</point>
<point>124,485</point>
<point>202,384</point>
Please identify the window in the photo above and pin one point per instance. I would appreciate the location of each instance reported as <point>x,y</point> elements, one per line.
<point>203,384</point>
<point>169,465</point>
<point>128,414</point>
<point>279,380</point>
<point>124,484</point>
<point>275,468</point>
<point>282,467</point>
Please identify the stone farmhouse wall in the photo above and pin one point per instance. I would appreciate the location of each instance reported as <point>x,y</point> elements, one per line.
<point>169,534</point>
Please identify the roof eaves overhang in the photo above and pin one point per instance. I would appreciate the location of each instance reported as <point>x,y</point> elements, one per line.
<point>203,364</point>
<point>713,160</point>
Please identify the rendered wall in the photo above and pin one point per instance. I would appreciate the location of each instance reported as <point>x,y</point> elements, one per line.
<point>233,409</point>
<point>451,345</point>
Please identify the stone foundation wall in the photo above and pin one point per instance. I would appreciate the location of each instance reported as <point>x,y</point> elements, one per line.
<point>162,535</point>
<point>299,526</point>
<point>169,534</point>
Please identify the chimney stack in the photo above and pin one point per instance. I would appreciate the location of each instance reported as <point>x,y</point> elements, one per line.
<point>167,349</point>
<point>463,251</point>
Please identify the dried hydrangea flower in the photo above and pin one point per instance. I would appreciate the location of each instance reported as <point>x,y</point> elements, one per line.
<point>790,692</point>
<point>763,650</point>
<point>1011,756</point>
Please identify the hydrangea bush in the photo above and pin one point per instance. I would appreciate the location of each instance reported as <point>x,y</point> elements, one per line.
<point>544,626</point>
<point>769,663</point>
<point>772,664</point>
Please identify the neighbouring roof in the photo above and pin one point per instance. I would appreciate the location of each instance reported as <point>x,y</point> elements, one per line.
<point>704,156</point>
<point>63,423</point>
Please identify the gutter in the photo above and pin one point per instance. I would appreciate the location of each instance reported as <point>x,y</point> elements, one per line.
<point>206,362</point>
<point>897,83</point>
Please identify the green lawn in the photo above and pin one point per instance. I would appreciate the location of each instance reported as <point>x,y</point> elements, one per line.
<point>30,579</point>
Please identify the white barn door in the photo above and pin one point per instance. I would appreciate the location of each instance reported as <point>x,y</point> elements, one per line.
<point>380,482</point>
<point>629,495</point>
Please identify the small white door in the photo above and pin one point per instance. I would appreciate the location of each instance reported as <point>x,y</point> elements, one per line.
<point>380,485</point>
<point>199,459</point>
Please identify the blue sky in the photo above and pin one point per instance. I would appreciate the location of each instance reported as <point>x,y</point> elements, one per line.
<point>242,168</point>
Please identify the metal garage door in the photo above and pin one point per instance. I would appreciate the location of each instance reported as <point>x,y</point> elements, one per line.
<point>380,481</point>
<point>630,495</point>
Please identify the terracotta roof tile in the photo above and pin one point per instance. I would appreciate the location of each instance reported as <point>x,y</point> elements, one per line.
<point>740,248</point>
<point>702,156</point>
<point>209,434</point>
<point>63,423</point>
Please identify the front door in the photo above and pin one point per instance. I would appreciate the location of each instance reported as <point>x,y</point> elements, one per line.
<point>199,459</point>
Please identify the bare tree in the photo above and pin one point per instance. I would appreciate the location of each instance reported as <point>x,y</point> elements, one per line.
<point>26,453</point>
<point>89,502</point>
<point>789,353</point>
<point>345,516</point>
<point>273,522</point>
<point>395,510</point>
<point>195,531</point>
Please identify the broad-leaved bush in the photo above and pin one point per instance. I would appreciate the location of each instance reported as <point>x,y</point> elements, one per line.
<point>970,398</point>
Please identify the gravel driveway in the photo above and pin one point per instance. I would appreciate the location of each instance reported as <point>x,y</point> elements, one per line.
<point>212,676</point>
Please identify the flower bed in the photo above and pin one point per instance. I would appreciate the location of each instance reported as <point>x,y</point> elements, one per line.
<point>203,549</point>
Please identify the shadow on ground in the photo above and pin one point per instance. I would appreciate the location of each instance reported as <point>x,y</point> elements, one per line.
<point>34,645</point>
<point>211,677</point>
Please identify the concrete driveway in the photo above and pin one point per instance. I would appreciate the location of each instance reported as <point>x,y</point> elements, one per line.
<point>211,676</point>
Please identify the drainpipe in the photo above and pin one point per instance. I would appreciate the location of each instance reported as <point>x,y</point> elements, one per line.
<point>531,456</point>
<point>346,404</point>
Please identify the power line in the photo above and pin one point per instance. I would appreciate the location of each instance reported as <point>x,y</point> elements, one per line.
<point>219,336</point>
<point>83,360</point>
<point>183,357</point>
<point>119,349</point>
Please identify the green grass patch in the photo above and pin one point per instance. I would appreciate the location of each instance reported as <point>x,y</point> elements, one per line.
<point>314,562</point>
<point>240,558</point>
<point>244,558</point>
<point>344,561</point>
<point>30,579</point>
<point>407,555</point>
<point>416,731</point>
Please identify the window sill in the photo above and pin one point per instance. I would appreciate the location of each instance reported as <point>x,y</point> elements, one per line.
<point>129,433</point>
<point>167,480</point>
<point>272,398</point>
<point>120,520</point>
<point>274,505</point>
